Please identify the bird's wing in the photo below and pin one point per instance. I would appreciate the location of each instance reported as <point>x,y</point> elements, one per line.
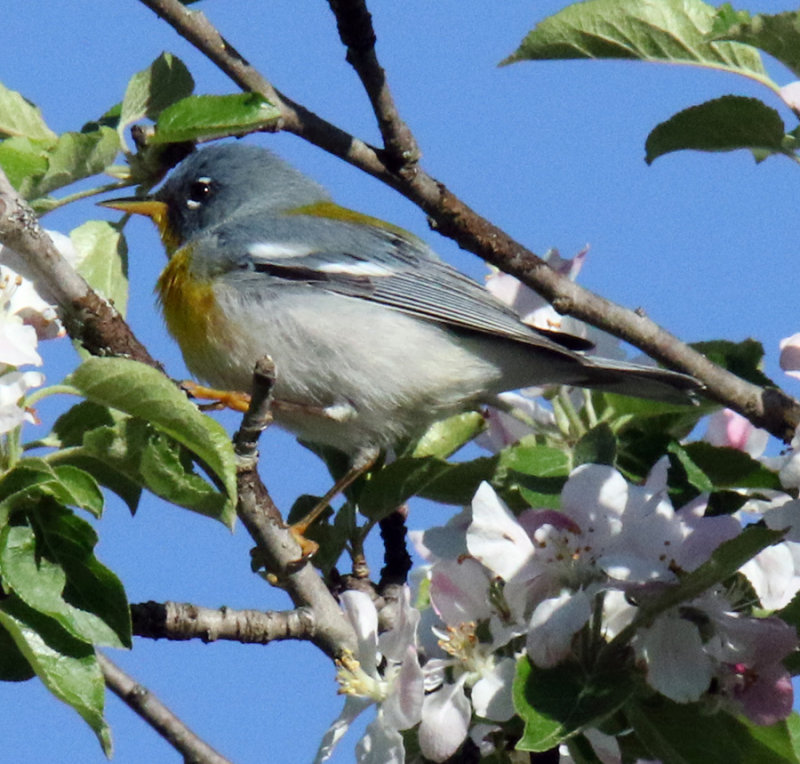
<point>400,272</point>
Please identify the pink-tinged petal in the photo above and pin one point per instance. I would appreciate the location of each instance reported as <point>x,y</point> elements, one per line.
<point>491,694</point>
<point>677,665</point>
<point>553,624</point>
<point>381,744</point>
<point>495,538</point>
<point>790,355</point>
<point>403,708</point>
<point>524,415</point>
<point>459,591</point>
<point>728,429</point>
<point>445,720</point>
<point>766,695</point>
<point>533,519</point>
<point>791,95</point>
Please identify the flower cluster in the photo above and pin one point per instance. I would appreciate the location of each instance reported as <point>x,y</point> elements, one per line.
<point>25,318</point>
<point>558,586</point>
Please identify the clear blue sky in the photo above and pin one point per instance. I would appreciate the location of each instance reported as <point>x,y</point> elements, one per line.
<point>552,152</point>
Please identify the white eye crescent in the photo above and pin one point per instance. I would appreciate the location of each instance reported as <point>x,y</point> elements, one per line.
<point>199,191</point>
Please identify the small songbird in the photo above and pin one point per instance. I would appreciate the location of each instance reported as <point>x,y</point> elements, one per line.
<point>372,335</point>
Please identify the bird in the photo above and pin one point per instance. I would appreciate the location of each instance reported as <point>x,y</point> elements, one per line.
<point>373,336</point>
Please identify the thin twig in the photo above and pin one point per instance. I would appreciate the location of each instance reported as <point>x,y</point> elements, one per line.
<point>278,550</point>
<point>193,749</point>
<point>771,409</point>
<point>358,36</point>
<point>87,317</point>
<point>183,621</point>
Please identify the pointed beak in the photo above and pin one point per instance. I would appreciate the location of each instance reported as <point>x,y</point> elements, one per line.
<point>138,205</point>
<point>151,208</point>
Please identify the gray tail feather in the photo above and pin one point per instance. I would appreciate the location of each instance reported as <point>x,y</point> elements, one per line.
<point>625,378</point>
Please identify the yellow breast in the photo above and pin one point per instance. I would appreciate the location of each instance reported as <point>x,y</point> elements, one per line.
<point>188,304</point>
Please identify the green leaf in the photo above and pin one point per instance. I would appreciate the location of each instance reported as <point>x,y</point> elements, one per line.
<point>92,588</point>
<point>724,124</point>
<point>201,118</point>
<point>558,702</point>
<point>730,468</point>
<point>143,392</point>
<point>76,156</point>
<point>103,260</point>
<point>741,358</point>
<point>13,665</point>
<point>152,90</point>
<point>19,117</point>
<point>66,666</point>
<point>54,572</point>
<point>718,738</point>
<point>778,35</point>
<point>445,437</point>
<point>33,478</point>
<point>397,482</point>
<point>458,483</point>
<point>143,454</point>
<point>538,473</point>
<point>539,461</point>
<point>667,31</point>
<point>694,474</point>
<point>68,435</point>
<point>598,446</point>
<point>24,161</point>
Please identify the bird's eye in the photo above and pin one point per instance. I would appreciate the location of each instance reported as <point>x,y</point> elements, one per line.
<point>199,191</point>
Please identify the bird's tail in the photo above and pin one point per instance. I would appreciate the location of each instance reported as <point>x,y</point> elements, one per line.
<point>624,378</point>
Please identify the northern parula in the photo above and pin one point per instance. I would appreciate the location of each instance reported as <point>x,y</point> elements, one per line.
<point>372,335</point>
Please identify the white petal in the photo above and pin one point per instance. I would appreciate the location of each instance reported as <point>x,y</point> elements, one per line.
<point>353,706</point>
<point>495,537</point>
<point>381,744</point>
<point>445,721</point>
<point>403,708</point>
<point>361,612</point>
<point>677,665</point>
<point>553,624</point>
<point>491,695</point>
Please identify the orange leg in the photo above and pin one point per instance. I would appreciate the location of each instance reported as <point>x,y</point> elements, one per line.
<point>220,399</point>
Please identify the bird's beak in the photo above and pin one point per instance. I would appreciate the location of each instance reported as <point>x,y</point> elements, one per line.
<point>151,208</point>
<point>138,205</point>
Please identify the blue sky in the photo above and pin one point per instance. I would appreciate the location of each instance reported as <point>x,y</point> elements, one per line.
<point>552,152</point>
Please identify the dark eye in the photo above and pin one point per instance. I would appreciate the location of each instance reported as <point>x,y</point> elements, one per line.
<point>199,191</point>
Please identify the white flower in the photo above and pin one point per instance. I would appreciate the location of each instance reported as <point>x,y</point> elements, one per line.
<point>391,678</point>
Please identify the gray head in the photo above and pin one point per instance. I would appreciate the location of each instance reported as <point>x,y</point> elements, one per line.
<point>228,179</point>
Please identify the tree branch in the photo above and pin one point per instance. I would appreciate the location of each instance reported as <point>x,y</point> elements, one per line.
<point>158,716</point>
<point>88,318</point>
<point>278,549</point>
<point>358,36</point>
<point>183,621</point>
<point>771,409</point>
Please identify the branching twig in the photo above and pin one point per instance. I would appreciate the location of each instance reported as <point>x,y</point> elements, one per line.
<point>183,621</point>
<point>87,317</point>
<point>278,549</point>
<point>158,716</point>
<point>770,409</point>
<point>355,30</point>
